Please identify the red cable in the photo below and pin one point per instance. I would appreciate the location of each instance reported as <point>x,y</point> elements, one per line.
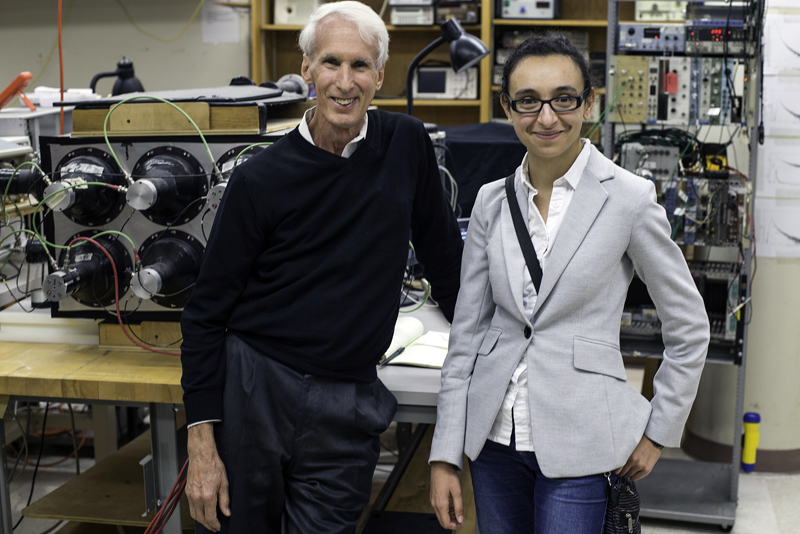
<point>61,64</point>
<point>174,497</point>
<point>116,296</point>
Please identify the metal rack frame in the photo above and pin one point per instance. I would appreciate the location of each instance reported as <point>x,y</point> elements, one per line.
<point>700,492</point>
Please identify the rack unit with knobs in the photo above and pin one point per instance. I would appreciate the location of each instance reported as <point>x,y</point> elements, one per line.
<point>697,491</point>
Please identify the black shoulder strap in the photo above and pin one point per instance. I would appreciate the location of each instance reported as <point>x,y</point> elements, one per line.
<point>524,238</point>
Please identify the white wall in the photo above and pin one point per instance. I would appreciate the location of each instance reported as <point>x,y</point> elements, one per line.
<point>96,34</point>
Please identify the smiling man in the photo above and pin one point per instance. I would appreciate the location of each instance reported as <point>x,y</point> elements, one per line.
<point>298,295</point>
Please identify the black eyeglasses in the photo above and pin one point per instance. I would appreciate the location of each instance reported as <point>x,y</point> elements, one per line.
<point>560,104</point>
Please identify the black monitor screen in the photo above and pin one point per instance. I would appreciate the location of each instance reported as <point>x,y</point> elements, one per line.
<point>431,81</point>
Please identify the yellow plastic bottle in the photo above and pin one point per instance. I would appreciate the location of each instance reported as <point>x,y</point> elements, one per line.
<point>751,437</point>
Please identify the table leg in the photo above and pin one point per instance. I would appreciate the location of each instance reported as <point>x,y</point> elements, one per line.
<point>165,455</point>
<point>5,494</point>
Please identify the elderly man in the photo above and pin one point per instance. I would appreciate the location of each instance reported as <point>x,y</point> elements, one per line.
<point>298,296</point>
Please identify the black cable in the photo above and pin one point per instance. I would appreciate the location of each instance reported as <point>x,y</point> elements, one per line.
<point>16,299</point>
<point>202,223</point>
<point>128,325</point>
<point>74,439</point>
<point>24,442</point>
<point>38,461</point>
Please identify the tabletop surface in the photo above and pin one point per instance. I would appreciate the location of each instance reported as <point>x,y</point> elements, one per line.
<point>88,372</point>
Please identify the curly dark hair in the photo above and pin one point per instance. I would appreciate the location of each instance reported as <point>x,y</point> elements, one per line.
<point>545,44</point>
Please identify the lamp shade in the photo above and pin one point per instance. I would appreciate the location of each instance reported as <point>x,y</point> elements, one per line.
<point>466,51</point>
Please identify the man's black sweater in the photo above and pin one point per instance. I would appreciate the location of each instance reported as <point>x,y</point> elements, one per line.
<point>307,254</point>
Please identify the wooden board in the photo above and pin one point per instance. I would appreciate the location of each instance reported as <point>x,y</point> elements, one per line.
<point>220,120</point>
<point>111,492</point>
<point>154,333</point>
<point>88,373</point>
<point>158,117</point>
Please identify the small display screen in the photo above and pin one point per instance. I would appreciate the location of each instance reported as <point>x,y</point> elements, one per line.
<point>431,81</point>
<point>652,33</point>
<point>543,5</point>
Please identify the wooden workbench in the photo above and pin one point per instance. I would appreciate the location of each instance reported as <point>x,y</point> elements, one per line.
<point>89,373</point>
<point>95,374</point>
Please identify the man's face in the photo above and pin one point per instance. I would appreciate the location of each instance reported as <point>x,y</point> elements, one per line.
<point>345,75</point>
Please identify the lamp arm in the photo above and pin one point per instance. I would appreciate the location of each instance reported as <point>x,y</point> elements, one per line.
<point>97,77</point>
<point>412,67</point>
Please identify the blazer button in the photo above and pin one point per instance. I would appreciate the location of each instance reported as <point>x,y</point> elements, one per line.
<point>527,332</point>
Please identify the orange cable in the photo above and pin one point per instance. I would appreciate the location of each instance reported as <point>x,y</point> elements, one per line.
<point>61,65</point>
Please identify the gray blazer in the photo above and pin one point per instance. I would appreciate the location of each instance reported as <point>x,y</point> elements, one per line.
<point>585,418</point>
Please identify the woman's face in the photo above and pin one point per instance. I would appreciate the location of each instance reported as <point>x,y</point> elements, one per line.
<point>548,134</point>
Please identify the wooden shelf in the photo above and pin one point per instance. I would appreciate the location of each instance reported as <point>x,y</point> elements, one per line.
<point>274,52</point>
<point>432,29</point>
<point>111,492</point>
<point>553,22</point>
<point>282,27</point>
<point>392,102</point>
<point>234,4</point>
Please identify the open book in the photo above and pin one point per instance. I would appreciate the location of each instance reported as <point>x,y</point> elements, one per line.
<point>420,350</point>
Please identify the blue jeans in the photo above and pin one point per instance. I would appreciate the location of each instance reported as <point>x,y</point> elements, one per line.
<point>513,496</point>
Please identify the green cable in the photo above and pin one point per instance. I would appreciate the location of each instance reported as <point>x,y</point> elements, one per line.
<point>44,201</point>
<point>604,114</point>
<point>424,300</point>
<point>115,106</point>
<point>236,161</point>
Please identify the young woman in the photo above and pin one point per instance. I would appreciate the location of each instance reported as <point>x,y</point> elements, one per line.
<point>534,389</point>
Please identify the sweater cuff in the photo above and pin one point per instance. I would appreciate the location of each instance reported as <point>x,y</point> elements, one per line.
<point>203,406</point>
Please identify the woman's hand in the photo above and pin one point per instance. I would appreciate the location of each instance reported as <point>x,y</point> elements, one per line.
<point>444,486</point>
<point>641,461</point>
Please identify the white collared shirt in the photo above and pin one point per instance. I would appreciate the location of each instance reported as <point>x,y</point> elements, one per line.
<point>515,411</point>
<point>349,148</point>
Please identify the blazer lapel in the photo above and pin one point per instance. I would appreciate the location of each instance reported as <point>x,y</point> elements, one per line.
<point>512,253</point>
<point>590,195</point>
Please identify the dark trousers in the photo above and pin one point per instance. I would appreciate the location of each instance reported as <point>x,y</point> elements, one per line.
<point>299,450</point>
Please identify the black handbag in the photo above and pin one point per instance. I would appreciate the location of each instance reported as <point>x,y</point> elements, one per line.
<point>622,510</point>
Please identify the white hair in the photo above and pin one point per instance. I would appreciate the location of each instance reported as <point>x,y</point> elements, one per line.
<point>370,27</point>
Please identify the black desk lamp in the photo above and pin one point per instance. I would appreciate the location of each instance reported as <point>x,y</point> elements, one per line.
<point>465,51</point>
<point>126,82</point>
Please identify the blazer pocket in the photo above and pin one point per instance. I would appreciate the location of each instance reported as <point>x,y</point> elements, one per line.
<point>489,341</point>
<point>598,357</point>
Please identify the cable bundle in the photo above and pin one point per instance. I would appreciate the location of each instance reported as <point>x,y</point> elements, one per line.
<point>692,149</point>
<point>166,511</point>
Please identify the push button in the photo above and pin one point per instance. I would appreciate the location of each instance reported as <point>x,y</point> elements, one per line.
<point>527,332</point>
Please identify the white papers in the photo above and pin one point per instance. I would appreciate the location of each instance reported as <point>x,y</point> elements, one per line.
<point>782,44</point>
<point>429,350</point>
<point>220,24</point>
<point>777,228</point>
<point>779,168</point>
<point>406,330</point>
<point>782,106</point>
